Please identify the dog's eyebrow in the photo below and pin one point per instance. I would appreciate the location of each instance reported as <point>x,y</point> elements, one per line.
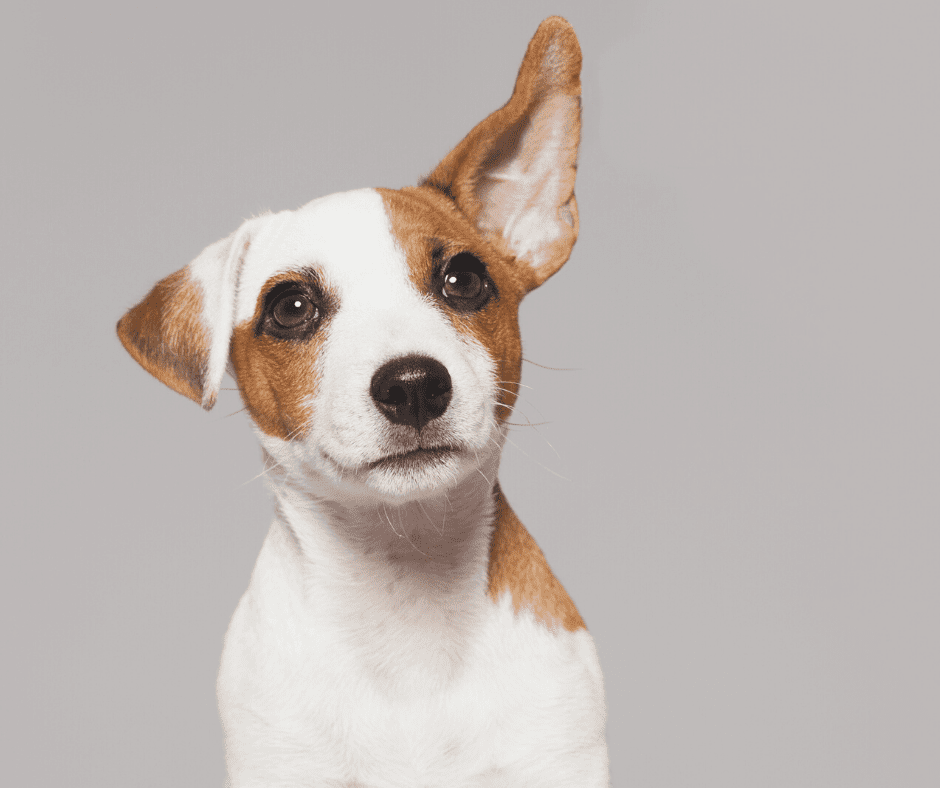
<point>307,273</point>
<point>313,276</point>
<point>440,248</point>
<point>437,247</point>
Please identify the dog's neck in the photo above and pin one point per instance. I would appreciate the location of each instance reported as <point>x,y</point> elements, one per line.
<point>436,535</point>
<point>416,571</point>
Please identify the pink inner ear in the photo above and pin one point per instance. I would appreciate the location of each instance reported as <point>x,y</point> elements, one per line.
<point>526,197</point>
<point>514,173</point>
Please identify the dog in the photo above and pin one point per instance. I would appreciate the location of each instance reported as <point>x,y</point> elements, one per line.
<point>401,627</point>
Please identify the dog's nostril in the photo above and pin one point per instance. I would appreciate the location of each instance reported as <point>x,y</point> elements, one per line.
<point>397,395</point>
<point>411,390</point>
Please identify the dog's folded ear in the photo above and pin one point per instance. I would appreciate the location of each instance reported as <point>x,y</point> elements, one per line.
<point>513,175</point>
<point>180,332</point>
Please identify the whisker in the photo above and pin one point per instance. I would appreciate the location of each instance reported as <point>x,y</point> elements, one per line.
<point>421,507</point>
<point>479,469</point>
<point>514,383</point>
<point>264,471</point>
<point>389,519</point>
<point>293,433</point>
<point>527,401</point>
<point>404,530</point>
<point>554,369</point>
<point>444,513</point>
<point>536,426</point>
<point>526,454</point>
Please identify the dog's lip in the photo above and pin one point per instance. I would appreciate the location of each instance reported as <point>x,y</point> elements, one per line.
<point>419,453</point>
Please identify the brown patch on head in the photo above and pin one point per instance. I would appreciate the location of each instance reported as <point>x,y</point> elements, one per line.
<point>430,230</point>
<point>166,335</point>
<point>277,377</point>
<point>518,566</point>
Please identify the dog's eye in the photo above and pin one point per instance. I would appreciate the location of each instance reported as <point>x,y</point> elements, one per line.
<point>294,309</point>
<point>466,285</point>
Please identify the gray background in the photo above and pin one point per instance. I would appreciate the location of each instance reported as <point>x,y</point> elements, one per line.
<point>738,484</point>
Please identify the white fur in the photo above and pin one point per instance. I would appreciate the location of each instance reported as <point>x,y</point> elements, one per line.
<point>216,270</point>
<point>366,650</point>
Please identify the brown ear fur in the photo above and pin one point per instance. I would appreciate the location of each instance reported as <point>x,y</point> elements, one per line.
<point>549,76</point>
<point>166,336</point>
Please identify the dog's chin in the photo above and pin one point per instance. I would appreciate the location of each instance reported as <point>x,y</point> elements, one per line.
<point>415,473</point>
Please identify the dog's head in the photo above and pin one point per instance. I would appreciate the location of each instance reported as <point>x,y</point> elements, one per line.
<point>374,334</point>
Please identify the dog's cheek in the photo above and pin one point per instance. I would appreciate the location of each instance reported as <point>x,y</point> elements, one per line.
<point>496,328</point>
<point>277,379</point>
<point>507,352</point>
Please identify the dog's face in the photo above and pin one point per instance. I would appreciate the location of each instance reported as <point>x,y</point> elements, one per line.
<point>374,334</point>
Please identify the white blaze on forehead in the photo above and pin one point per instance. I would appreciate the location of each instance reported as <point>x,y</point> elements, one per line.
<point>346,237</point>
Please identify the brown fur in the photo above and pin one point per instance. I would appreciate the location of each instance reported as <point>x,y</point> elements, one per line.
<point>421,219</point>
<point>518,566</point>
<point>166,336</point>
<point>276,376</point>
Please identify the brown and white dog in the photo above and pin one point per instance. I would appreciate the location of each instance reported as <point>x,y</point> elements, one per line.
<point>401,627</point>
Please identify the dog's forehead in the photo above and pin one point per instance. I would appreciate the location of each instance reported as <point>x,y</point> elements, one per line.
<point>345,237</point>
<point>344,230</point>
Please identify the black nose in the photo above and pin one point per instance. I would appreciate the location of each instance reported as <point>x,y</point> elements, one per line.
<point>411,390</point>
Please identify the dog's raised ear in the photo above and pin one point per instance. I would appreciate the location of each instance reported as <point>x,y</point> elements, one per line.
<point>180,332</point>
<point>513,175</point>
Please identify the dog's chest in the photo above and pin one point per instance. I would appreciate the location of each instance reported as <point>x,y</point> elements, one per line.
<point>411,700</point>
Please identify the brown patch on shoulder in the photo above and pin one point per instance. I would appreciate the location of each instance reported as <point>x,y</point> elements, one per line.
<point>426,224</point>
<point>166,336</point>
<point>518,565</point>
<point>276,377</point>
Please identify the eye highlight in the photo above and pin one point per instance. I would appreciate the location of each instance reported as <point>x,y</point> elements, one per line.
<point>464,283</point>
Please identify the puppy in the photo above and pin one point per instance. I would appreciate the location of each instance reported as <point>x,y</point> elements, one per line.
<point>401,627</point>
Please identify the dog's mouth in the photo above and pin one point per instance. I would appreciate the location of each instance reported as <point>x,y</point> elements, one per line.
<point>416,458</point>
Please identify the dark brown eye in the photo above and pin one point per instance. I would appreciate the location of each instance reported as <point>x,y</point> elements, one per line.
<point>462,284</point>
<point>293,309</point>
<point>466,285</point>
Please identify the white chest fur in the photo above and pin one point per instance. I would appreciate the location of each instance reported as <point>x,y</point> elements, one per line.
<point>342,667</point>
